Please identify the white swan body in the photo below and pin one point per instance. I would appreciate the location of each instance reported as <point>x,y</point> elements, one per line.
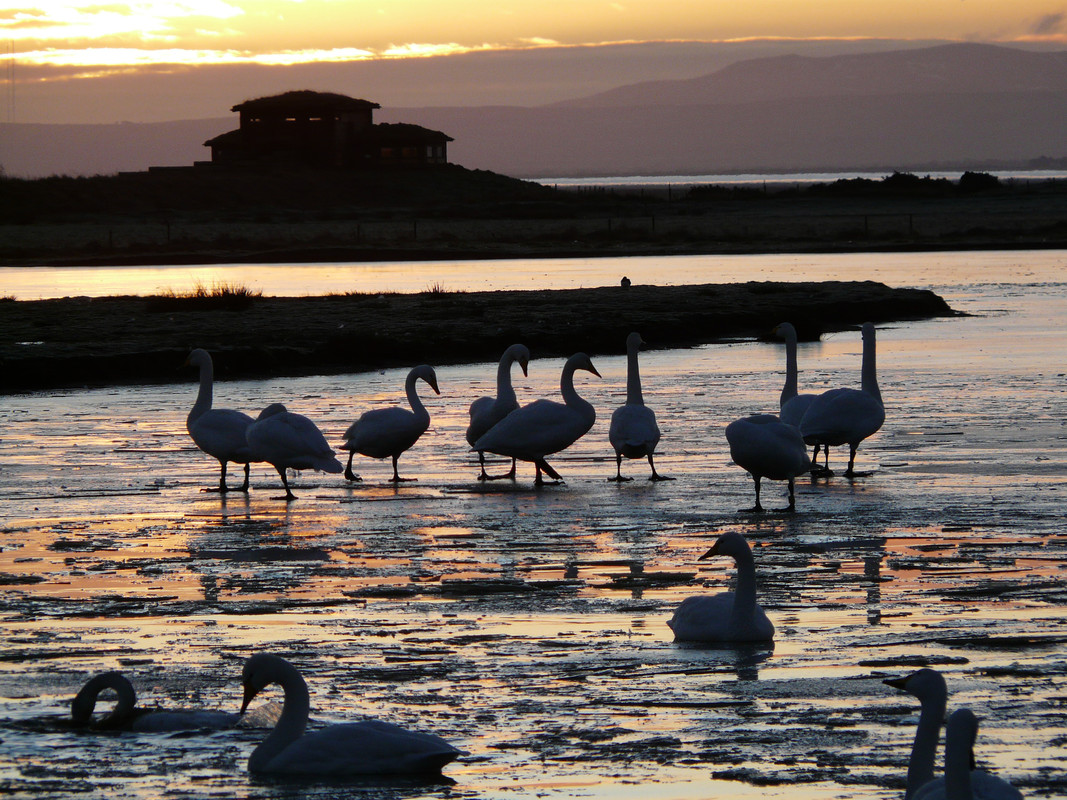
<point>126,716</point>
<point>848,416</point>
<point>388,432</point>
<point>928,687</point>
<point>633,431</point>
<point>485,412</point>
<point>766,447</point>
<point>729,616</point>
<point>289,441</point>
<point>219,432</point>
<point>544,427</point>
<point>960,782</point>
<point>359,748</point>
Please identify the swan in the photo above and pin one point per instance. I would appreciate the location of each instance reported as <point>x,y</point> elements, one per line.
<point>219,432</point>
<point>847,416</point>
<point>370,747</point>
<point>383,432</point>
<point>791,405</point>
<point>928,686</point>
<point>729,616</point>
<point>289,441</point>
<point>960,782</point>
<point>485,412</point>
<point>544,427</point>
<point>633,431</point>
<point>766,447</point>
<point>126,715</point>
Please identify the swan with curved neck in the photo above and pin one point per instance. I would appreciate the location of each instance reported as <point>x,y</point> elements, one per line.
<point>388,432</point>
<point>485,412</point>
<point>960,782</point>
<point>127,716</point>
<point>847,416</point>
<point>544,427</point>
<point>370,747</point>
<point>928,687</point>
<point>729,616</point>
<point>286,440</point>
<point>219,432</point>
<point>633,432</point>
<point>766,447</point>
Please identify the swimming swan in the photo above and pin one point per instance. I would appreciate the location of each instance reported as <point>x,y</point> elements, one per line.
<point>289,441</point>
<point>633,431</point>
<point>766,447</point>
<point>847,416</point>
<point>383,432</point>
<point>370,747</point>
<point>928,687</point>
<point>960,782</point>
<point>485,412</point>
<point>728,616</point>
<point>219,432</point>
<point>126,716</point>
<point>544,427</point>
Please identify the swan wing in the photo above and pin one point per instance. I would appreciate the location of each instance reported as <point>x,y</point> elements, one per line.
<point>384,432</point>
<point>486,412</point>
<point>792,411</point>
<point>291,440</point>
<point>842,416</point>
<point>633,431</point>
<point>371,747</point>
<point>536,430</point>
<point>765,446</point>
<point>190,720</point>
<point>220,432</point>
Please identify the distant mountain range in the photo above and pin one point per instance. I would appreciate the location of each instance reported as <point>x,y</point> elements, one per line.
<point>948,106</point>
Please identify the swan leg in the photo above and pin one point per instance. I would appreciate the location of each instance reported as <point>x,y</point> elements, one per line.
<point>483,476</point>
<point>244,486</point>
<point>349,474</point>
<point>509,475</point>
<point>543,466</point>
<point>618,470</point>
<point>289,496</point>
<point>396,474</point>
<point>222,480</point>
<point>823,471</point>
<point>850,472</point>
<point>792,507</point>
<point>758,508</point>
<point>655,475</point>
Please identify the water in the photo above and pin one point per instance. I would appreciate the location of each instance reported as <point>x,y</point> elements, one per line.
<point>527,627</point>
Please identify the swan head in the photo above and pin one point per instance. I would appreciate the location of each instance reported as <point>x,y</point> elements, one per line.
<point>582,361</point>
<point>519,354</point>
<point>634,342</point>
<point>962,726</point>
<point>198,358</point>
<point>260,671</point>
<point>730,544</point>
<point>867,331</point>
<point>84,702</point>
<point>923,683</point>
<point>785,330</point>
<point>271,411</point>
<point>426,373</point>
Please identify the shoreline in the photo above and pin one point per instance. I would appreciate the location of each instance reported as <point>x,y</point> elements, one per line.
<point>77,342</point>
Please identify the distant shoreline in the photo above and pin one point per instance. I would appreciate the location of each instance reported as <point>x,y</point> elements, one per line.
<point>82,342</point>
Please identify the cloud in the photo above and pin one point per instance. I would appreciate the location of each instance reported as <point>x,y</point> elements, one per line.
<point>1048,25</point>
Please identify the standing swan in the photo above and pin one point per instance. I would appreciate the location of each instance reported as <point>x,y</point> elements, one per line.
<point>544,427</point>
<point>928,686</point>
<point>219,432</point>
<point>729,616</point>
<point>289,441</point>
<point>383,432</point>
<point>847,416</point>
<point>960,782</point>
<point>486,412</point>
<point>370,747</point>
<point>633,431</point>
<point>766,447</point>
<point>791,405</point>
<point>126,716</point>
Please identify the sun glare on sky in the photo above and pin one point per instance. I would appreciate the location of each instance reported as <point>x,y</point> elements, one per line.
<point>90,35</point>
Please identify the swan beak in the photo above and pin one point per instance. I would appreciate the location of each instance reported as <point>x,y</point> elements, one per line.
<point>896,683</point>
<point>714,551</point>
<point>250,693</point>
<point>433,385</point>
<point>524,364</point>
<point>593,370</point>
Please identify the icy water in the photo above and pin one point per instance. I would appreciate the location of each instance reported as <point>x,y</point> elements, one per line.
<point>528,626</point>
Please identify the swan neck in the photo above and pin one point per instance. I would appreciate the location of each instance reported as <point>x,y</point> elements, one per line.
<point>924,748</point>
<point>958,769</point>
<point>504,391</point>
<point>291,723</point>
<point>203,397</point>
<point>633,378</point>
<point>413,397</point>
<point>869,371</point>
<point>789,390</point>
<point>745,593</point>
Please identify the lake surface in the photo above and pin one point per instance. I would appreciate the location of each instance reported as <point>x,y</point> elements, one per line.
<point>528,626</point>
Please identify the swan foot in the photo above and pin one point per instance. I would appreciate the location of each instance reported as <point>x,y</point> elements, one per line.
<point>350,475</point>
<point>620,479</point>
<point>756,509</point>
<point>821,472</point>
<point>507,476</point>
<point>850,474</point>
<point>786,510</point>
<point>655,476</point>
<point>398,479</point>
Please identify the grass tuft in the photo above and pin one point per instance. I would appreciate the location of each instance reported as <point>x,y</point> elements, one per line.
<point>220,296</point>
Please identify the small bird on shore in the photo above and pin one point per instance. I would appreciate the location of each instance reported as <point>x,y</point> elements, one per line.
<point>633,431</point>
<point>219,432</point>
<point>290,441</point>
<point>847,416</point>
<point>388,432</point>
<point>766,447</point>
<point>485,412</point>
<point>544,427</point>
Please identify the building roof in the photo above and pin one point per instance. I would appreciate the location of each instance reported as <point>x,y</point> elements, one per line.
<point>402,133</point>
<point>305,100</point>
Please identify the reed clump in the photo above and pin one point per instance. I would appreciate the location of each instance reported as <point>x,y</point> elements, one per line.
<point>219,296</point>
